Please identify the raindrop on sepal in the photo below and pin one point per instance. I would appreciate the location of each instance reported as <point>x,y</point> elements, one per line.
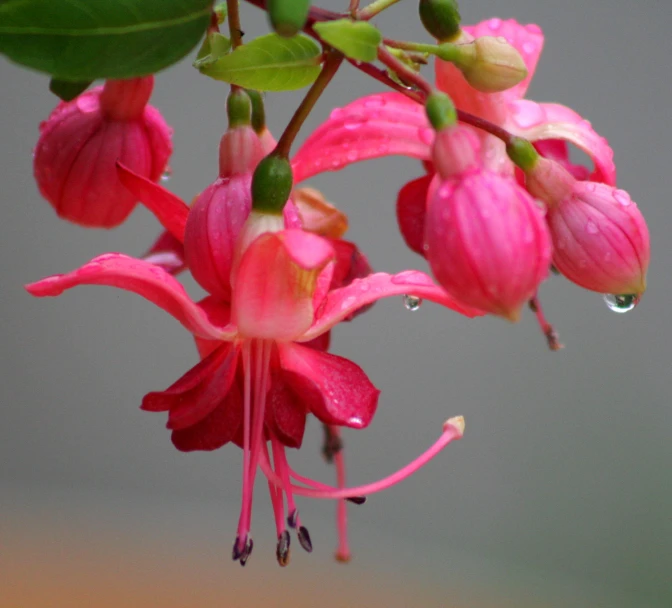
<point>621,303</point>
<point>412,303</point>
<point>167,174</point>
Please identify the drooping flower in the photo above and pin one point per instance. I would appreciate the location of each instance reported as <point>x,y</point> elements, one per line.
<point>601,240</point>
<point>74,161</point>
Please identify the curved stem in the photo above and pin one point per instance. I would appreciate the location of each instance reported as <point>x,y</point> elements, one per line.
<point>377,6</point>
<point>233,17</point>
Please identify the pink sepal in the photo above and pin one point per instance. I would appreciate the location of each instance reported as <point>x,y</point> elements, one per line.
<point>143,278</point>
<point>539,121</point>
<point>169,209</point>
<point>335,389</point>
<point>167,253</point>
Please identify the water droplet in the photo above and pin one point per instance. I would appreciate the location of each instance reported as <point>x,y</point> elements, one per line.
<point>337,114</point>
<point>621,303</point>
<point>348,302</point>
<point>591,228</point>
<point>352,156</point>
<point>352,124</point>
<point>412,303</point>
<point>529,47</point>
<point>495,23</point>
<point>426,135</point>
<point>374,101</point>
<point>167,174</point>
<point>622,197</point>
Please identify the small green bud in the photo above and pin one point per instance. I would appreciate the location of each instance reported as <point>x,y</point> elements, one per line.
<point>489,64</point>
<point>288,17</point>
<point>522,153</point>
<point>271,184</point>
<point>441,18</point>
<point>258,111</point>
<point>238,108</point>
<point>440,110</point>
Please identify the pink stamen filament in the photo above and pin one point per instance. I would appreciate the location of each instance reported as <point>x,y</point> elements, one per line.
<point>343,549</point>
<point>282,468</point>
<point>247,389</point>
<point>547,329</point>
<point>450,433</point>
<point>276,501</point>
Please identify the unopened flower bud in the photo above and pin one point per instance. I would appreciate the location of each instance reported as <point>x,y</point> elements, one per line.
<point>80,142</point>
<point>440,110</point>
<point>489,64</point>
<point>600,238</point>
<point>271,184</point>
<point>441,18</point>
<point>238,108</point>
<point>288,17</point>
<point>487,242</point>
<point>455,150</point>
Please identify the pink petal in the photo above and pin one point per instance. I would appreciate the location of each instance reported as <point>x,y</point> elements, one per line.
<point>558,150</point>
<point>166,252</point>
<point>215,430</point>
<point>219,313</point>
<point>275,284</point>
<point>198,392</point>
<point>411,212</point>
<point>143,278</point>
<point>343,302</point>
<point>538,121</point>
<point>169,209</point>
<point>371,127</point>
<point>335,389</point>
<point>285,413</point>
<point>528,40</point>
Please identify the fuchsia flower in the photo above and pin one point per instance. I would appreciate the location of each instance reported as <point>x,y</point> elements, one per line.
<point>262,334</point>
<point>80,142</point>
<point>485,237</point>
<point>600,238</point>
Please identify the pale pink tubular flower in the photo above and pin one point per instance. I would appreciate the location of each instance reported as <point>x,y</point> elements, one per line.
<point>601,240</point>
<point>485,237</point>
<point>74,160</point>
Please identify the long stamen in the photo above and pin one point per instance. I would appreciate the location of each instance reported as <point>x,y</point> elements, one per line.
<point>452,429</point>
<point>243,530</point>
<point>343,549</point>
<point>282,552</point>
<point>283,470</point>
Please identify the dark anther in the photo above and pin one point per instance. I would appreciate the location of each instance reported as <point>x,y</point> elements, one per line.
<point>236,553</point>
<point>247,551</point>
<point>554,270</point>
<point>332,444</point>
<point>533,304</point>
<point>358,500</point>
<point>304,539</point>
<point>282,551</point>
<point>292,519</point>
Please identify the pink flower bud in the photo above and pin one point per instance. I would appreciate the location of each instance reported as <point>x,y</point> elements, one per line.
<point>487,242</point>
<point>600,238</point>
<point>74,162</point>
<point>601,241</point>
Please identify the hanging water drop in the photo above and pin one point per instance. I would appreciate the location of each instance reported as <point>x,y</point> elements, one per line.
<point>621,303</point>
<point>412,303</point>
<point>167,174</point>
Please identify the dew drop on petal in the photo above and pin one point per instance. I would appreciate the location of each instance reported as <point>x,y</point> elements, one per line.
<point>591,227</point>
<point>167,174</point>
<point>622,197</point>
<point>337,114</point>
<point>374,102</point>
<point>412,303</point>
<point>621,303</point>
<point>352,125</point>
<point>529,47</point>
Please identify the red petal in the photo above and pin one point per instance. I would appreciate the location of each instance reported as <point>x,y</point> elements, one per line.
<point>214,430</point>
<point>411,212</point>
<point>335,389</point>
<point>285,413</point>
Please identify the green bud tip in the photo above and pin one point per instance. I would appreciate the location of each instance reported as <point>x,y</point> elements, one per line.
<point>238,108</point>
<point>522,153</point>
<point>440,110</point>
<point>272,184</point>
<point>287,17</point>
<point>441,18</point>
<point>258,111</point>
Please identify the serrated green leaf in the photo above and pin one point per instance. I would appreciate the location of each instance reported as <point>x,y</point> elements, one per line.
<point>269,63</point>
<point>80,40</point>
<point>214,46</point>
<point>67,90</point>
<point>355,39</point>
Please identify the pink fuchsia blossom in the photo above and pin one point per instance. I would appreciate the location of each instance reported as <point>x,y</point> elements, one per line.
<point>81,141</point>
<point>485,238</point>
<point>281,301</point>
<point>601,240</point>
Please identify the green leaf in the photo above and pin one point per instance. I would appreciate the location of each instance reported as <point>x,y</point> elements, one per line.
<point>355,39</point>
<point>214,46</point>
<point>80,40</point>
<point>269,63</point>
<point>66,89</point>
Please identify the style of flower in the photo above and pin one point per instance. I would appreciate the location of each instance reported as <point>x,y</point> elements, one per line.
<point>74,160</point>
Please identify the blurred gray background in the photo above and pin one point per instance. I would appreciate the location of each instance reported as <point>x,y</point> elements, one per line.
<point>560,492</point>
